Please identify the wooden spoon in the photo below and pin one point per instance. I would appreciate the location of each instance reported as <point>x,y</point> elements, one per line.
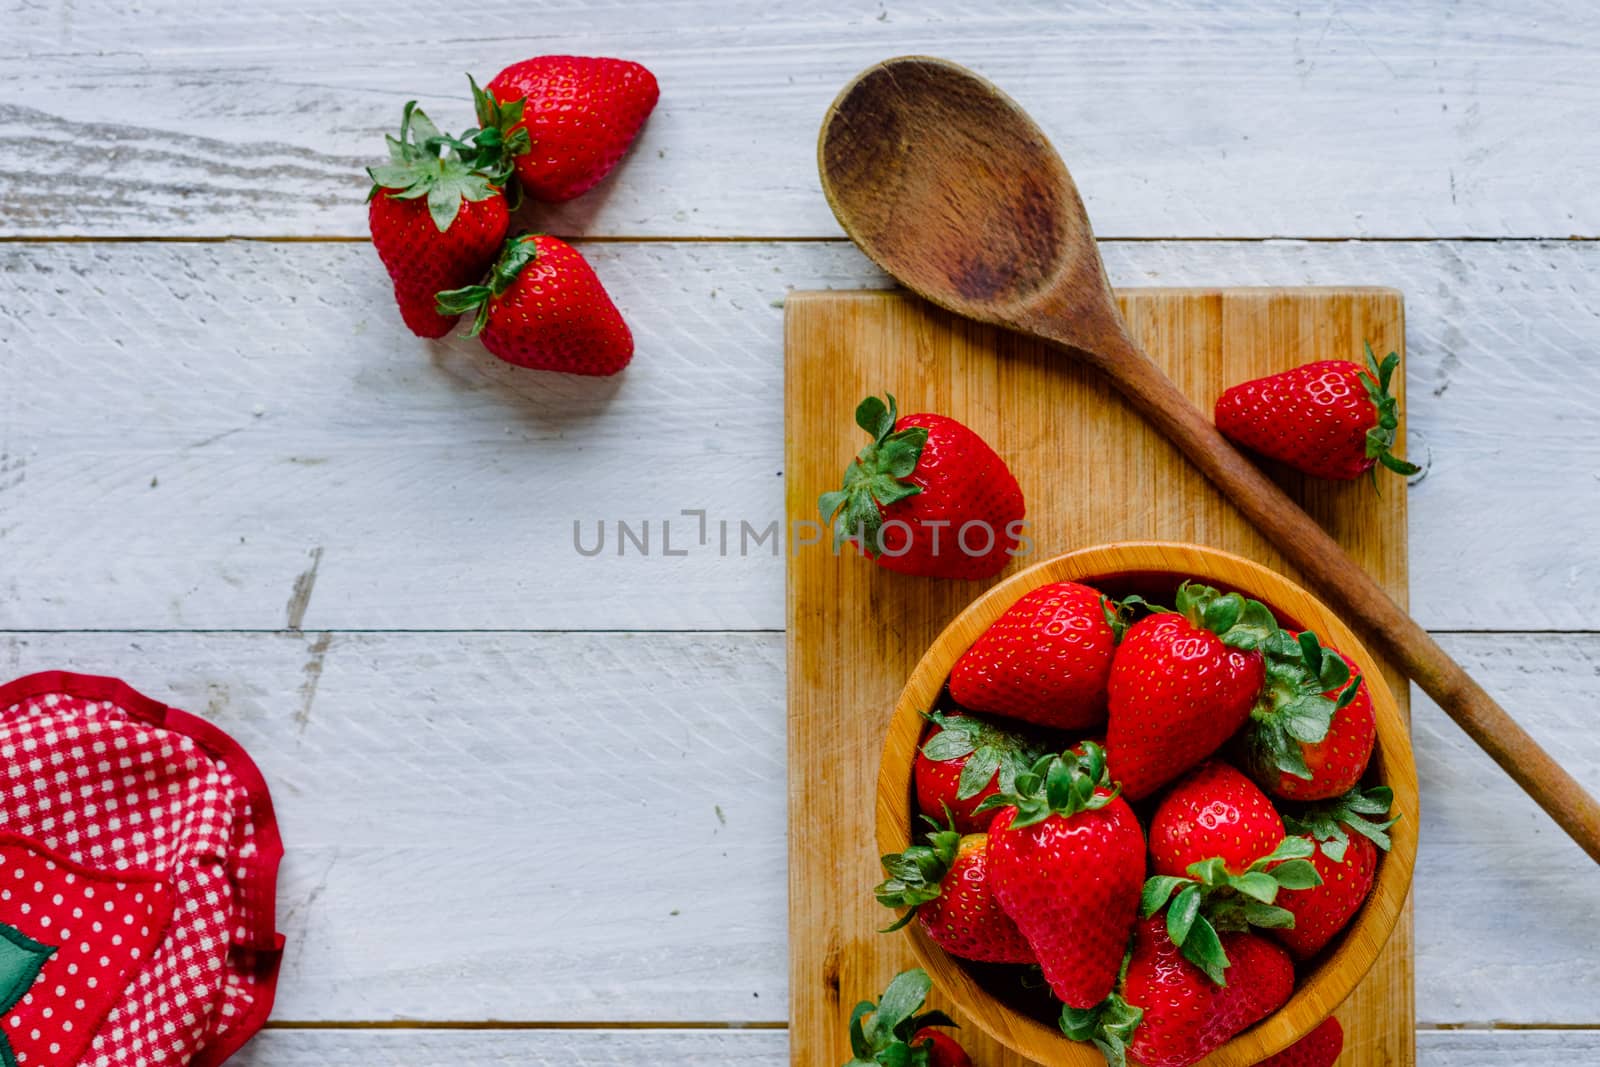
<point>949,186</point>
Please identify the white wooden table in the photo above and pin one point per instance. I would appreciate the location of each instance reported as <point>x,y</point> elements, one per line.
<point>535,801</point>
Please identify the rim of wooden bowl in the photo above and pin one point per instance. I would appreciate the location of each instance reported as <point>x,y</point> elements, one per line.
<point>1338,970</point>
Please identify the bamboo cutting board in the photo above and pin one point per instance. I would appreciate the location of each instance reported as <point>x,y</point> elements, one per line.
<point>1091,472</point>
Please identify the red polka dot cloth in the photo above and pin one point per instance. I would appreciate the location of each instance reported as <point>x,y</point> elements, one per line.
<point>138,881</point>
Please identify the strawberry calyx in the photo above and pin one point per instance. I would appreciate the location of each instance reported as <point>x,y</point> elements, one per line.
<point>876,477</point>
<point>992,752</point>
<point>1064,785</point>
<point>883,1033</point>
<point>515,256</point>
<point>1110,1024</point>
<point>1213,899</point>
<point>499,138</point>
<point>1293,709</point>
<point>1386,409</point>
<point>915,874</point>
<point>1119,614</point>
<point>419,167</point>
<point>1328,823</point>
<point>1238,621</point>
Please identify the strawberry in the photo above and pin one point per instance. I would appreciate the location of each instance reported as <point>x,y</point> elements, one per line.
<point>581,113</point>
<point>1347,864</point>
<point>437,221</point>
<point>1066,860</point>
<point>1331,419</point>
<point>1312,730</point>
<point>942,1048</point>
<point>1187,1016</point>
<point>945,885</point>
<point>926,497</point>
<point>1213,811</point>
<point>1319,1048</point>
<point>964,761</point>
<point>1045,660</point>
<point>895,1031</point>
<point>544,308</point>
<point>1181,683</point>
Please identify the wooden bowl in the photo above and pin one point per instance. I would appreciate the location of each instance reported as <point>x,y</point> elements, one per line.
<point>1154,567</point>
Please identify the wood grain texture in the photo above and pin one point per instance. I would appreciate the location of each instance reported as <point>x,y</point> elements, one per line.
<point>1092,473</point>
<point>1203,119</point>
<point>738,1048</point>
<point>268,435</point>
<point>436,720</point>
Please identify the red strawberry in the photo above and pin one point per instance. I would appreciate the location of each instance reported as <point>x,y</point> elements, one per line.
<point>1066,861</point>
<point>1181,683</point>
<point>1044,661</point>
<point>1187,1016</point>
<point>544,308</point>
<point>1348,864</point>
<point>1329,420</point>
<point>1214,811</point>
<point>581,113</point>
<point>964,761</point>
<point>1319,1048</point>
<point>1312,731</point>
<point>894,1030</point>
<point>942,1049</point>
<point>927,497</point>
<point>437,221</point>
<point>945,885</point>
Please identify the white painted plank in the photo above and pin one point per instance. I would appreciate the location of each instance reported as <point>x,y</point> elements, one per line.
<point>555,827</point>
<point>736,1048</point>
<point>193,433</point>
<point>1201,118</point>
<point>515,1048</point>
<point>606,812</point>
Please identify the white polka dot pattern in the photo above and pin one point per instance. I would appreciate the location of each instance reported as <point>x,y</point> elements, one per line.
<point>104,788</point>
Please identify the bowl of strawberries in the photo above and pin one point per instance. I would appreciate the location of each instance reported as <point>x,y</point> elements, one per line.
<point>1147,803</point>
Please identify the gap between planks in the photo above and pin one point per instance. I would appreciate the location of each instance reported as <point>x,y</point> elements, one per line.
<point>715,630</point>
<point>498,1024</point>
<point>617,239</point>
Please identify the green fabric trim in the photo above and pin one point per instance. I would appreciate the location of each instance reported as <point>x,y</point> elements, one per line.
<point>21,960</point>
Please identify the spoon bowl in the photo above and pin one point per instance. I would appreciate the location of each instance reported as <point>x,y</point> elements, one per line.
<point>949,185</point>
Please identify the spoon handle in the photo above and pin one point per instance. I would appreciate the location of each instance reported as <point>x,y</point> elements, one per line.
<point>1305,544</point>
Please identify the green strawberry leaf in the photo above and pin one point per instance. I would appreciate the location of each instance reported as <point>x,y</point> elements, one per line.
<point>1376,379</point>
<point>875,478</point>
<point>978,772</point>
<point>1307,719</point>
<point>898,1004</point>
<point>1257,885</point>
<point>1295,874</point>
<point>1157,891</point>
<point>1268,916</point>
<point>1203,948</point>
<point>1110,1025</point>
<point>1183,913</point>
